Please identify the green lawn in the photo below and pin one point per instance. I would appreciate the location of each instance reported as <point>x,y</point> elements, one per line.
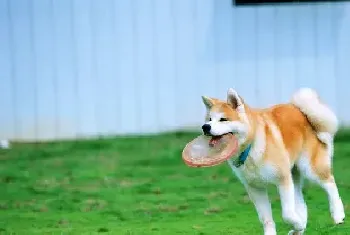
<point>139,185</point>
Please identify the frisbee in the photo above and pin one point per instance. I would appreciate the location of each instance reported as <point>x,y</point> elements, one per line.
<point>207,151</point>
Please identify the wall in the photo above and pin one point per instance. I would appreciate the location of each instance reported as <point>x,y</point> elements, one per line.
<point>71,68</point>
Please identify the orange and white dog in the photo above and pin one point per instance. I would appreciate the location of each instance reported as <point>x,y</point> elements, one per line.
<point>282,145</point>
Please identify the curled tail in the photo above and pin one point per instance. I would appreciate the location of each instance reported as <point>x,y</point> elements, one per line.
<point>321,117</point>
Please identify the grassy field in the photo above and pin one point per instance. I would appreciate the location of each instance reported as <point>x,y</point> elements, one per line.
<point>140,185</point>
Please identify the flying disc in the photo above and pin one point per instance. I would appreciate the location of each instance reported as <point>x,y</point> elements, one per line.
<point>207,151</point>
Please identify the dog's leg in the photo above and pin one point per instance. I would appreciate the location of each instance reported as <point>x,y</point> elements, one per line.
<point>263,207</point>
<point>300,205</point>
<point>323,171</point>
<point>320,171</point>
<point>289,214</point>
<point>335,203</point>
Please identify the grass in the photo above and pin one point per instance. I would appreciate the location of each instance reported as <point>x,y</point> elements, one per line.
<point>139,185</point>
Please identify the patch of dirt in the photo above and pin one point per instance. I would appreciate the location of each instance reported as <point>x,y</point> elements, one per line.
<point>168,208</point>
<point>93,204</point>
<point>214,195</point>
<point>212,210</point>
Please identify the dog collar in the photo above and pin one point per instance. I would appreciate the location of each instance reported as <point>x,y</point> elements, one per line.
<point>242,157</point>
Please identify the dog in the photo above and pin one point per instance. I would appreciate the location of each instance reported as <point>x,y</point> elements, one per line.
<point>282,145</point>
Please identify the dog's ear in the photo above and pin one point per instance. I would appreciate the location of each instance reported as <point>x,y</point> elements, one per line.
<point>208,102</point>
<point>233,98</point>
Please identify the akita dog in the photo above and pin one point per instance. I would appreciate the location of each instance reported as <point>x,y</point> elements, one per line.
<point>282,145</point>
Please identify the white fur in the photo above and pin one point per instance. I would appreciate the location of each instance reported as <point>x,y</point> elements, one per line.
<point>327,139</point>
<point>256,179</point>
<point>255,176</point>
<point>308,102</point>
<point>262,204</point>
<point>249,173</point>
<point>326,124</point>
<point>289,213</point>
<point>232,95</point>
<point>335,203</point>
<point>287,193</point>
<point>238,128</point>
<point>304,166</point>
<point>300,205</point>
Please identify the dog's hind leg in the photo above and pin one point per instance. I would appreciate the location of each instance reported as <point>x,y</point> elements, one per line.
<point>300,205</point>
<point>322,164</point>
<point>287,190</point>
<point>318,168</point>
<point>335,203</point>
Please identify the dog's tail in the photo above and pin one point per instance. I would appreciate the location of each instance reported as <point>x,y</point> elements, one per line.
<point>321,117</point>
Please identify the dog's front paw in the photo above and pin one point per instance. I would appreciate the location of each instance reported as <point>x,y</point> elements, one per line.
<point>270,230</point>
<point>293,232</point>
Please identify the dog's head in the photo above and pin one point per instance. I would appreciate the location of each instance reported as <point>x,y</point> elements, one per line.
<point>226,117</point>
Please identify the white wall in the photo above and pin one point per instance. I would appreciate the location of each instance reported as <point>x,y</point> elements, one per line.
<point>71,68</point>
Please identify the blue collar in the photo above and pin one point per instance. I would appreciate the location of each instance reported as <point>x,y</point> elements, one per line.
<point>242,157</point>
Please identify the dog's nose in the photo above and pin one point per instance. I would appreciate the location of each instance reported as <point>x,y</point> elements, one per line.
<point>206,128</point>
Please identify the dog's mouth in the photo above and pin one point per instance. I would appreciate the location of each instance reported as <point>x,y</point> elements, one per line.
<point>215,139</point>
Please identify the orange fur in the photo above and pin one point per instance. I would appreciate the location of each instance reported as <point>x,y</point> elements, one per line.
<point>290,142</point>
<point>296,131</point>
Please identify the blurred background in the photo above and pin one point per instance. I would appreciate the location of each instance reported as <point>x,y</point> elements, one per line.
<point>83,68</point>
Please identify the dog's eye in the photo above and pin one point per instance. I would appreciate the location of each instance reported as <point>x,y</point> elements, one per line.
<point>223,119</point>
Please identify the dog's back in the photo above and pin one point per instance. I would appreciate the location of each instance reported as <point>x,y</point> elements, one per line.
<point>283,145</point>
<point>305,124</point>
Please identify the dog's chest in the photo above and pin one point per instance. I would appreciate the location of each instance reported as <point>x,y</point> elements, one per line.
<point>254,175</point>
